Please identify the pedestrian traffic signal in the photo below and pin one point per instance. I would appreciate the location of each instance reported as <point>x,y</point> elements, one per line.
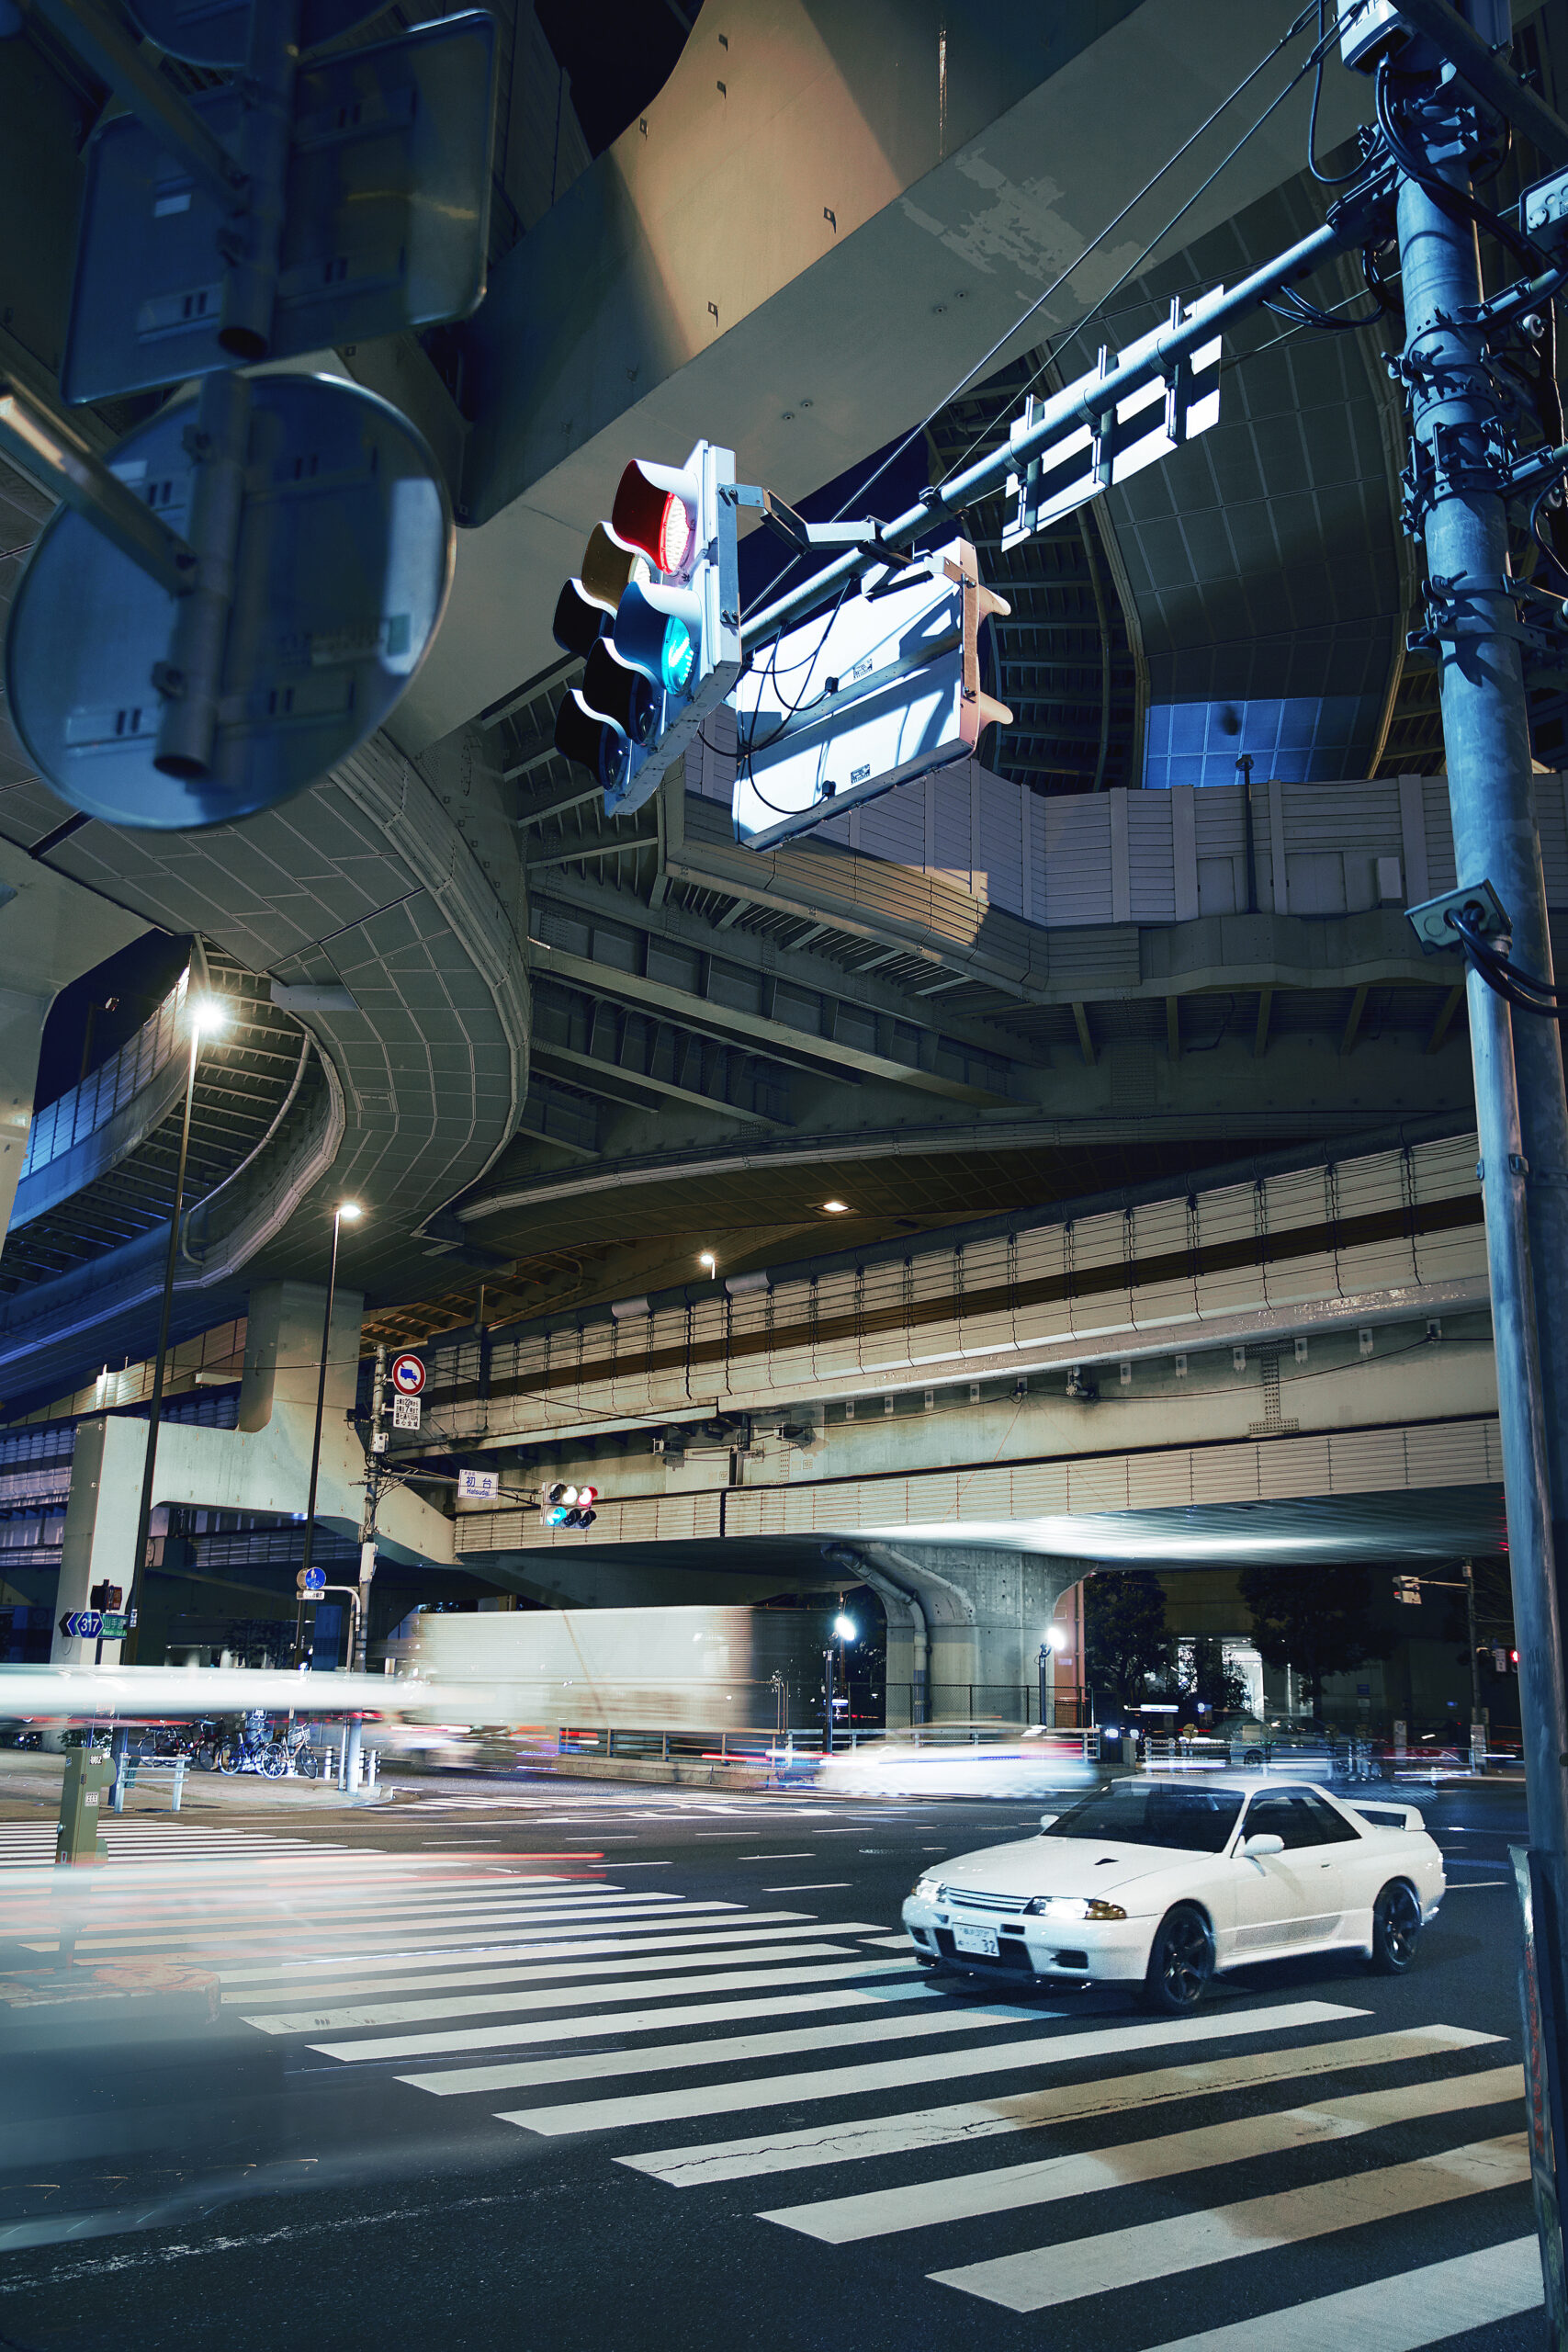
<point>106,1598</point>
<point>655,615</point>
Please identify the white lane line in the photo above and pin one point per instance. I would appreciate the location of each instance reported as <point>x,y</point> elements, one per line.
<point>263,1936</point>
<point>1478,1886</point>
<point>1403,2313</point>
<point>724,2050</point>
<point>619,2021</point>
<point>841,1965</point>
<point>943,2127</point>
<point>618,1934</point>
<point>1047,2276</point>
<point>812,1886</point>
<point>760,1943</point>
<point>805,1854</point>
<point>921,2205</point>
<point>895,2074</point>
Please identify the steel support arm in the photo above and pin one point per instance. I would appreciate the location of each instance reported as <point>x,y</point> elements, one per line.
<point>1080,403</point>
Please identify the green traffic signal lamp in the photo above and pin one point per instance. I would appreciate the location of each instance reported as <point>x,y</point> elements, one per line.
<point>659,630</point>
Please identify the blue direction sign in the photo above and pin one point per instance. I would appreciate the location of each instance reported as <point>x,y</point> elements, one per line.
<point>342,559</point>
<point>386,217</point>
<point>82,1625</point>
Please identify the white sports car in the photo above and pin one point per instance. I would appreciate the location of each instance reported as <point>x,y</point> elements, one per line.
<point>1161,1883</point>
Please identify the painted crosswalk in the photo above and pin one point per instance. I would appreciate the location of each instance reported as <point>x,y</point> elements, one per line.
<point>1011,2152</point>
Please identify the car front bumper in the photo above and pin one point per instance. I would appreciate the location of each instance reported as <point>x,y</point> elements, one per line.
<point>1097,1951</point>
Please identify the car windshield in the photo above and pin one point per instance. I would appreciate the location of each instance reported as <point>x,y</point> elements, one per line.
<point>1143,1813</point>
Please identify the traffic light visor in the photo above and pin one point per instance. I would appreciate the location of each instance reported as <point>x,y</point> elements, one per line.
<point>579,623</point>
<point>591,741</point>
<point>660,632</point>
<point>656,510</point>
<point>620,693</point>
<point>609,563</point>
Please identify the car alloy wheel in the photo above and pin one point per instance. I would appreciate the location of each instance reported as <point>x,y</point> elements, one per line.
<point>1396,1924</point>
<point>1181,1960</point>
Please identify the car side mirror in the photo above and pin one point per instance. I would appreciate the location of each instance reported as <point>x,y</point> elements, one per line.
<point>1049,1820</point>
<point>1264,1843</point>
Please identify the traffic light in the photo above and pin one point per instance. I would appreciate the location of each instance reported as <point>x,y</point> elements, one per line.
<point>570,1506</point>
<point>655,615</point>
<point>106,1598</point>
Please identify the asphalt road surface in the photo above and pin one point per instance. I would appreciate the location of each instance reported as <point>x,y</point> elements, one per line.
<point>547,2065</point>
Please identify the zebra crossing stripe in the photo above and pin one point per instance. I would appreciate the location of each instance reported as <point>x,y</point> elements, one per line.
<point>937,2127</point>
<point>731,2050</point>
<point>1046,2276</point>
<point>267,1935</point>
<point>843,2220</point>
<point>883,2073</point>
<point>1399,2314</point>
<point>620,2021</point>
<point>280,1980</point>
<point>607,1980</point>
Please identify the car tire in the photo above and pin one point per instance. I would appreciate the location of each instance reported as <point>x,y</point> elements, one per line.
<point>1396,1928</point>
<point>1181,1962</point>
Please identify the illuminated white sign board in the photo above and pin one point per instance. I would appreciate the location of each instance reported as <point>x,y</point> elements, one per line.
<point>836,712</point>
<point>1147,425</point>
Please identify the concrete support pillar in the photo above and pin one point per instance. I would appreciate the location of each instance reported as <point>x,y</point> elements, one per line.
<point>987,1612</point>
<point>283,1351</point>
<point>100,1525</point>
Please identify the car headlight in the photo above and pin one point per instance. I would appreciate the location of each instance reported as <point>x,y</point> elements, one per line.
<point>926,1890</point>
<point>1074,1907</point>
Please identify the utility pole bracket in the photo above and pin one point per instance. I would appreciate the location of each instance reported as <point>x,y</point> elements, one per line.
<point>1480,903</point>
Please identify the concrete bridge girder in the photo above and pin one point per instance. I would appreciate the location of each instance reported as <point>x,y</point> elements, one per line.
<point>262,1466</point>
<point>796,249</point>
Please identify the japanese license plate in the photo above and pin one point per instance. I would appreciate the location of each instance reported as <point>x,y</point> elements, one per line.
<point>977,1939</point>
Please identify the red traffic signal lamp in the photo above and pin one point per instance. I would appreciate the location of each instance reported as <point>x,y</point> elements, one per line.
<point>659,510</point>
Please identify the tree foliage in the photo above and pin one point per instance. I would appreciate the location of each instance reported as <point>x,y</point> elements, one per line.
<point>1316,1619</point>
<point>1125,1639</point>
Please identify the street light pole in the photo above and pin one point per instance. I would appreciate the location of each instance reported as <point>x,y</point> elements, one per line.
<point>205,1015</point>
<point>351,1211</point>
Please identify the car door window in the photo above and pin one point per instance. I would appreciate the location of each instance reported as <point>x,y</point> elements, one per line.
<point>1274,1816</point>
<point>1332,1828</point>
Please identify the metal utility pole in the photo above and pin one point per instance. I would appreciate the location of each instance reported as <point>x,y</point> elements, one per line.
<point>202,1015</point>
<point>1460,441</point>
<point>368,1517</point>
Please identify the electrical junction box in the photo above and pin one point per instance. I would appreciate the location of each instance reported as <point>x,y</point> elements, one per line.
<point>1370,30</point>
<point>1543,212</point>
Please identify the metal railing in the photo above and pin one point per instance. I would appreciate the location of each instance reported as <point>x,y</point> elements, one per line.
<point>85,1108</point>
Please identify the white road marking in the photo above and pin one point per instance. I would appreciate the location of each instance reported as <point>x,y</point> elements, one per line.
<point>896,2073</point>
<point>941,2127</point>
<point>599,1987</point>
<point>1046,2276</point>
<point>634,1934</point>
<point>560,1961</point>
<point>1403,2313</point>
<point>812,1886</point>
<point>919,2205</point>
<point>619,2021</point>
<point>725,2049</point>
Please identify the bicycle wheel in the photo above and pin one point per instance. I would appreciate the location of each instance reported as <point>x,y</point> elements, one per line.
<point>306,1763</point>
<point>231,1759</point>
<point>274,1763</point>
<point>206,1756</point>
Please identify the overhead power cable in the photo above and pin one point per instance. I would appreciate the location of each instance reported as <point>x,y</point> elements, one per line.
<point>1292,32</point>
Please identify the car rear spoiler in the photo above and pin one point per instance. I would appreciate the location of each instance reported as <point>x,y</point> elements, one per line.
<point>1389,1816</point>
